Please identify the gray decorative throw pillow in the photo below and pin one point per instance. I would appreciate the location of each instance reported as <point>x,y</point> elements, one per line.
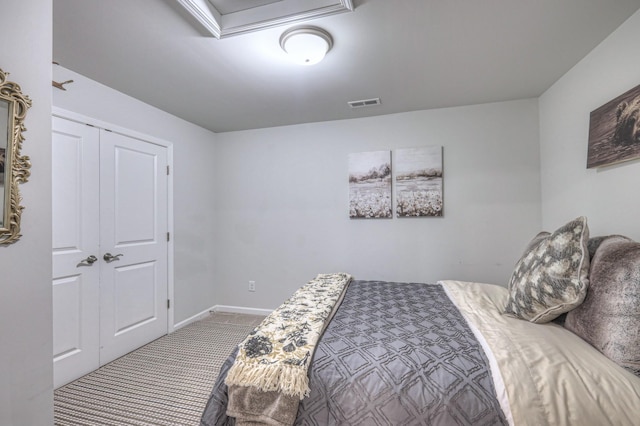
<point>551,277</point>
<point>594,243</point>
<point>609,317</point>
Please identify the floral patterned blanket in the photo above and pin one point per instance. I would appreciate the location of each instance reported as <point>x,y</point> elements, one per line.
<point>272,361</point>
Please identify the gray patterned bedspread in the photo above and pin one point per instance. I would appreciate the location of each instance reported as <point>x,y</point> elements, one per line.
<point>394,354</point>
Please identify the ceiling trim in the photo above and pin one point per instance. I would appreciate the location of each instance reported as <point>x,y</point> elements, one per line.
<point>259,18</point>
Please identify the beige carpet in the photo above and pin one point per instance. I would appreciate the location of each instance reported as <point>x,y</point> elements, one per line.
<point>166,382</point>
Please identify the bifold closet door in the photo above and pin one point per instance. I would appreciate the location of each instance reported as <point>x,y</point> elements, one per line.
<point>133,242</point>
<point>75,204</point>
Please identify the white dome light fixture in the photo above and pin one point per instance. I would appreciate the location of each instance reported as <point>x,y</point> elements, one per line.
<point>306,45</point>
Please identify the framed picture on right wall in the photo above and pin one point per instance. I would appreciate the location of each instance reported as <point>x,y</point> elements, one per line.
<point>418,173</point>
<point>614,130</point>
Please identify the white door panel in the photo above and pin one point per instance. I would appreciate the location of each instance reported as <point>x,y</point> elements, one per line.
<point>67,317</point>
<point>134,296</point>
<point>135,191</point>
<point>75,204</point>
<point>133,222</point>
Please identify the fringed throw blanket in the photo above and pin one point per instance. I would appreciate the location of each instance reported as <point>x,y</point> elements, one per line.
<point>269,376</point>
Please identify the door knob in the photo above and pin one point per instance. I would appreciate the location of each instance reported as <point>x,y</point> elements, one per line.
<point>110,257</point>
<point>90,260</point>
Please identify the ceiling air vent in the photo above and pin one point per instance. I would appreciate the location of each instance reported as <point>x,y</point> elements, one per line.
<point>364,103</point>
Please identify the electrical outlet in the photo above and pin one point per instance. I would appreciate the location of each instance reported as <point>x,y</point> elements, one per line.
<point>252,286</point>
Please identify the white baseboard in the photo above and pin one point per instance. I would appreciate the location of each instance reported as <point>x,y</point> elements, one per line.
<point>241,310</point>
<point>194,318</point>
<point>221,308</point>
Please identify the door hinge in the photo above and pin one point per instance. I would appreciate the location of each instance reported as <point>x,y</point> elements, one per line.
<point>168,170</point>
<point>168,303</point>
<point>168,237</point>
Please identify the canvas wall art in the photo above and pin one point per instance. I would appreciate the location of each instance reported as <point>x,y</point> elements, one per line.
<point>370,185</point>
<point>614,130</point>
<point>418,174</point>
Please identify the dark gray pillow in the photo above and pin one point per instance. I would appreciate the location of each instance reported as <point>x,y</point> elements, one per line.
<point>609,317</point>
<point>594,243</point>
<point>551,277</point>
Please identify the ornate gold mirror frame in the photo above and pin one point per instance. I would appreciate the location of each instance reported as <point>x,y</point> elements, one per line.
<point>14,168</point>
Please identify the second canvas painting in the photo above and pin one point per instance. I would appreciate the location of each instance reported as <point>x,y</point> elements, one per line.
<point>418,174</point>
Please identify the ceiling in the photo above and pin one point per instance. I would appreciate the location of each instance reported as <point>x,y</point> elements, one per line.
<point>412,54</point>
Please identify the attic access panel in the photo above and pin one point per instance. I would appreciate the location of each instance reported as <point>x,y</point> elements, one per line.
<point>224,18</point>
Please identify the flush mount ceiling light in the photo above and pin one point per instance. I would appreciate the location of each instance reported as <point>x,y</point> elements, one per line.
<point>306,45</point>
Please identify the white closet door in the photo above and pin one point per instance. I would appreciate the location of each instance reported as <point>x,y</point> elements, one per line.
<point>75,190</point>
<point>133,224</point>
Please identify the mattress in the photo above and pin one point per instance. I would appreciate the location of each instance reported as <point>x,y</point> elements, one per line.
<point>444,354</point>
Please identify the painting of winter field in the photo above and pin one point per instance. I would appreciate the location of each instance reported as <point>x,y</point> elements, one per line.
<point>419,182</point>
<point>370,185</point>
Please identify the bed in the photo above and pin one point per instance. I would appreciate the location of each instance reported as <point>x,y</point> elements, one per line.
<point>559,346</point>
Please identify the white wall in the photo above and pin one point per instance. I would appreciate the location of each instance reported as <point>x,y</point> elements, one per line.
<point>609,196</point>
<point>194,200</point>
<point>26,370</point>
<point>282,202</point>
